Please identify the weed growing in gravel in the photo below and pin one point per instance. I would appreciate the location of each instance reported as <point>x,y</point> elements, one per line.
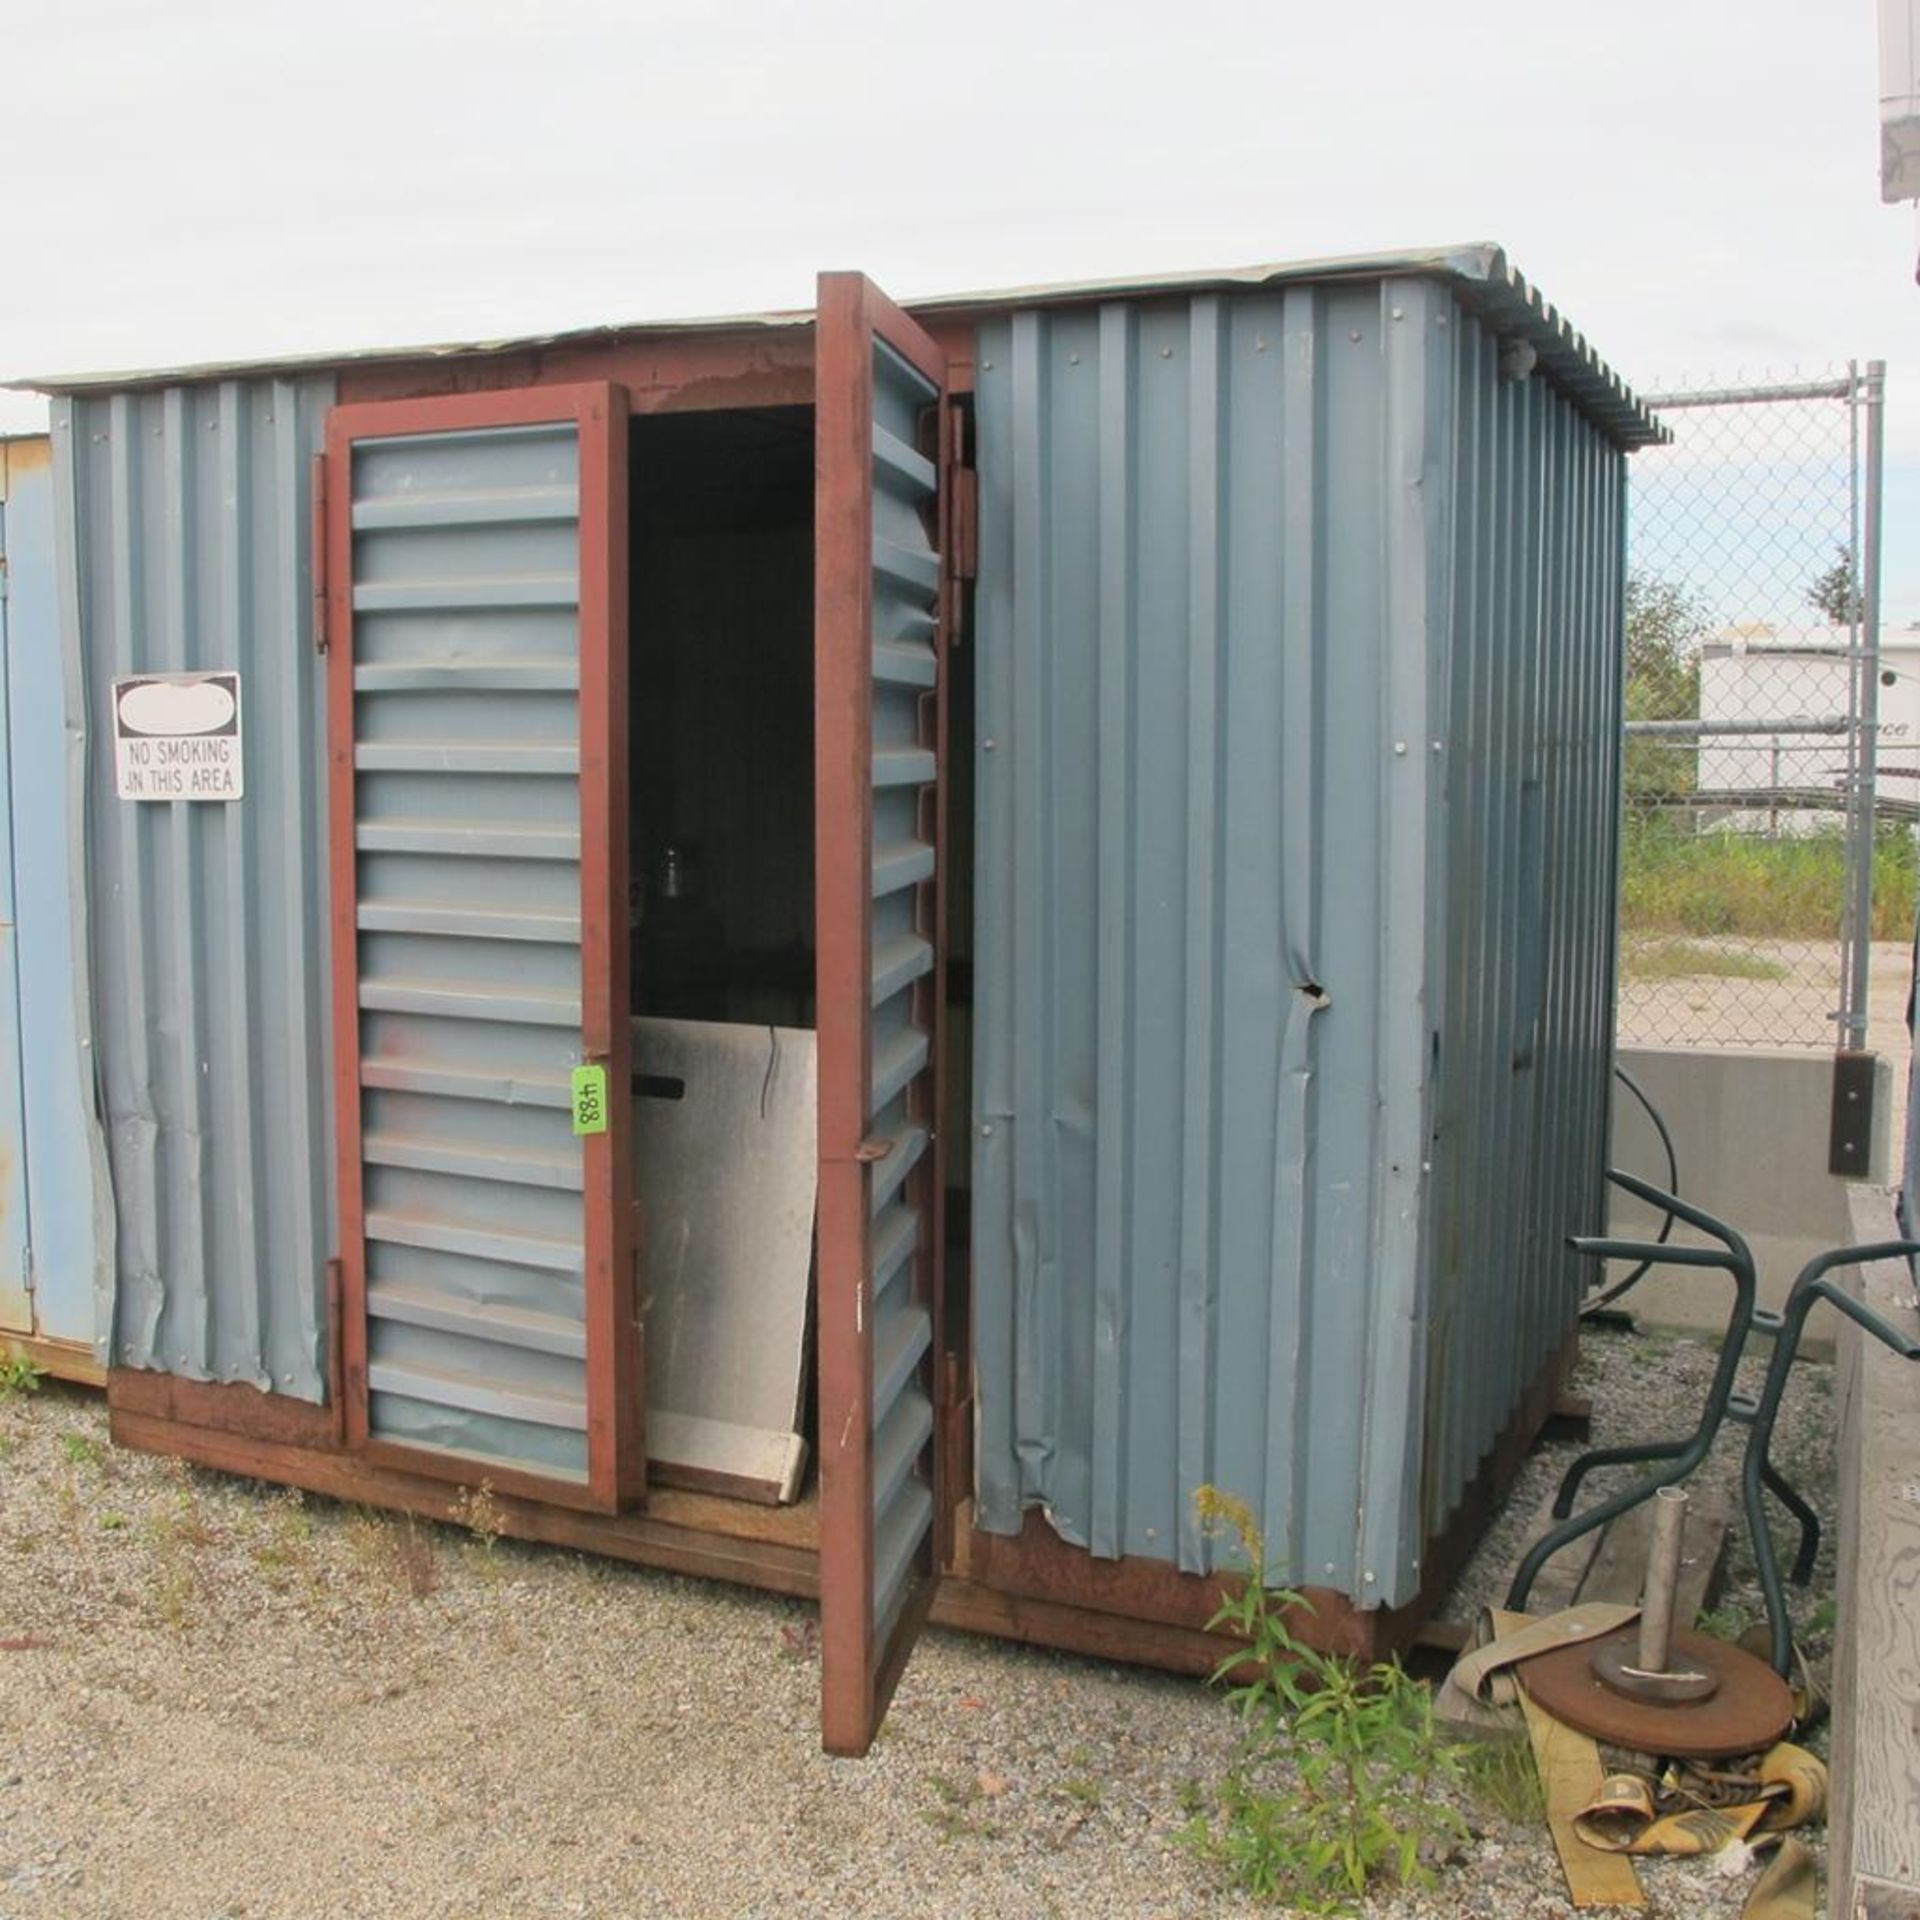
<point>178,1533</point>
<point>1342,1776</point>
<point>1502,1777</point>
<point>18,1374</point>
<point>479,1512</point>
<point>957,1812</point>
<point>395,1550</point>
<point>410,1554</point>
<point>80,1451</point>
<point>287,1554</point>
<point>1723,1623</point>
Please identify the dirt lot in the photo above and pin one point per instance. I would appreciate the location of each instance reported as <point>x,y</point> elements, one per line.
<point>220,1702</point>
<point>1774,993</point>
<point>1786,1005</point>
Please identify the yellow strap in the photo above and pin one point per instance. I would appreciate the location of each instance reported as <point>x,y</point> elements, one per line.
<point>1785,1890</point>
<point>1571,1775</point>
<point>1623,1816</point>
<point>1481,1690</point>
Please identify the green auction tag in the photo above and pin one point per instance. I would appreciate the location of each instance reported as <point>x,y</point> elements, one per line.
<point>589,1099</point>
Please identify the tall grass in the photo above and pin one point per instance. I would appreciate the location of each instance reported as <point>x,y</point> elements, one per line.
<point>1673,880</point>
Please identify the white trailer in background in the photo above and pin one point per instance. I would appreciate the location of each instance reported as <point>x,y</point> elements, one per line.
<point>1774,701</point>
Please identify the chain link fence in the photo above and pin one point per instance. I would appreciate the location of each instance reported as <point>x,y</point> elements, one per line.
<point>1772,762</point>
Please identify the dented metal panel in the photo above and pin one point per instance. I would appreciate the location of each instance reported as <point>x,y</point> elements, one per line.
<point>1222,860</point>
<point>183,537</point>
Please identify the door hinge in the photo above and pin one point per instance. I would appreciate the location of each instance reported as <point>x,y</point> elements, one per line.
<point>966,523</point>
<point>318,557</point>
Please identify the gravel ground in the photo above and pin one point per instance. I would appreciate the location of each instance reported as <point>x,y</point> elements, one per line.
<point>219,1700</point>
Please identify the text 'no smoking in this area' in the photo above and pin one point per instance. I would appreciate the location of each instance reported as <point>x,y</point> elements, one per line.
<point>176,736</point>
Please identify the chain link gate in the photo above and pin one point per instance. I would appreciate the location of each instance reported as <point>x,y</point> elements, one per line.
<point>1767,841</point>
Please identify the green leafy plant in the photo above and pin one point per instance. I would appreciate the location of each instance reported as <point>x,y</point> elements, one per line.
<point>18,1374</point>
<point>1341,1778</point>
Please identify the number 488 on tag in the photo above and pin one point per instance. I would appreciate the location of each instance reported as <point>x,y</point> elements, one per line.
<point>589,1099</point>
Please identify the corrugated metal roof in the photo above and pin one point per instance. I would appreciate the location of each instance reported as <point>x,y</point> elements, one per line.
<point>1487,284</point>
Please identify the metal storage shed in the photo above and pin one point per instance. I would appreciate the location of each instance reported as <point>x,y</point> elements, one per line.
<point>1205,748</point>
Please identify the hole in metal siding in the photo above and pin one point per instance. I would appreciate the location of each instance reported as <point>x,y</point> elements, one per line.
<point>660,1086</point>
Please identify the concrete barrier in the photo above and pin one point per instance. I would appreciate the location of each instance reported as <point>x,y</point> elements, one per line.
<point>1751,1129</point>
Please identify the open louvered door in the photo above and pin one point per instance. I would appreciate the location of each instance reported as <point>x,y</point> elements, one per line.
<point>883,600</point>
<point>475,582</point>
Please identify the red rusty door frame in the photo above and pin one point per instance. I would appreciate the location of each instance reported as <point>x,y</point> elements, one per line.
<point>867,1286</point>
<point>615,1374</point>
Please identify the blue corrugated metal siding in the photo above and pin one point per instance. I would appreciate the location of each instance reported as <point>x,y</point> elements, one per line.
<point>183,540</point>
<point>1526,1022</point>
<point>58,1156</point>
<point>466,654</point>
<point>1217,779</point>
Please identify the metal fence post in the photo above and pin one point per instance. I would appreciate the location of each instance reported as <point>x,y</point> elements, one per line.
<point>1871,398</point>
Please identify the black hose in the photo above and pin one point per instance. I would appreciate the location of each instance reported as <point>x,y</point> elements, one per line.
<point>1606,1299</point>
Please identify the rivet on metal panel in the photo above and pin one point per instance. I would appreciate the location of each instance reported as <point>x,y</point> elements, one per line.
<point>1399,313</point>
<point>986,1133</point>
<point>986,366</point>
<point>1367,1577</point>
<point>1436,746</point>
<point>986,746</point>
<point>1439,319</point>
<point>1166,353</point>
<point>1353,335</point>
<point>1073,359</point>
<point>1260,343</point>
<point>1399,746</point>
<point>1329,1566</point>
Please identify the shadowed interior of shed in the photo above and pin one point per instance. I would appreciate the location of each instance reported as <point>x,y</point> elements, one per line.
<point>721,775</point>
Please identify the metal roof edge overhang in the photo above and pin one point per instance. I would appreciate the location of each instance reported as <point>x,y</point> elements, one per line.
<point>1485,282</point>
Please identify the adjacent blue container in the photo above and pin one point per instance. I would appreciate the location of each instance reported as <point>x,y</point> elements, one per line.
<point>55,1255</point>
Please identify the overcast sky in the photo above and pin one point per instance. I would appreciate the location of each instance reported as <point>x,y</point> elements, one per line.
<point>1693,182</point>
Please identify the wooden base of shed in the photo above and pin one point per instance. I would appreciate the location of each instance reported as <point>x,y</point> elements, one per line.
<point>1036,1588</point>
<point>62,1359</point>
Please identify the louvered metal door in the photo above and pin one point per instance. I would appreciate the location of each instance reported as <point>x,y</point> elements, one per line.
<point>475,578</point>
<point>882,614</point>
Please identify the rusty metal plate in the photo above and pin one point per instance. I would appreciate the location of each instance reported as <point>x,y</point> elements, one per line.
<point>1750,1707</point>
